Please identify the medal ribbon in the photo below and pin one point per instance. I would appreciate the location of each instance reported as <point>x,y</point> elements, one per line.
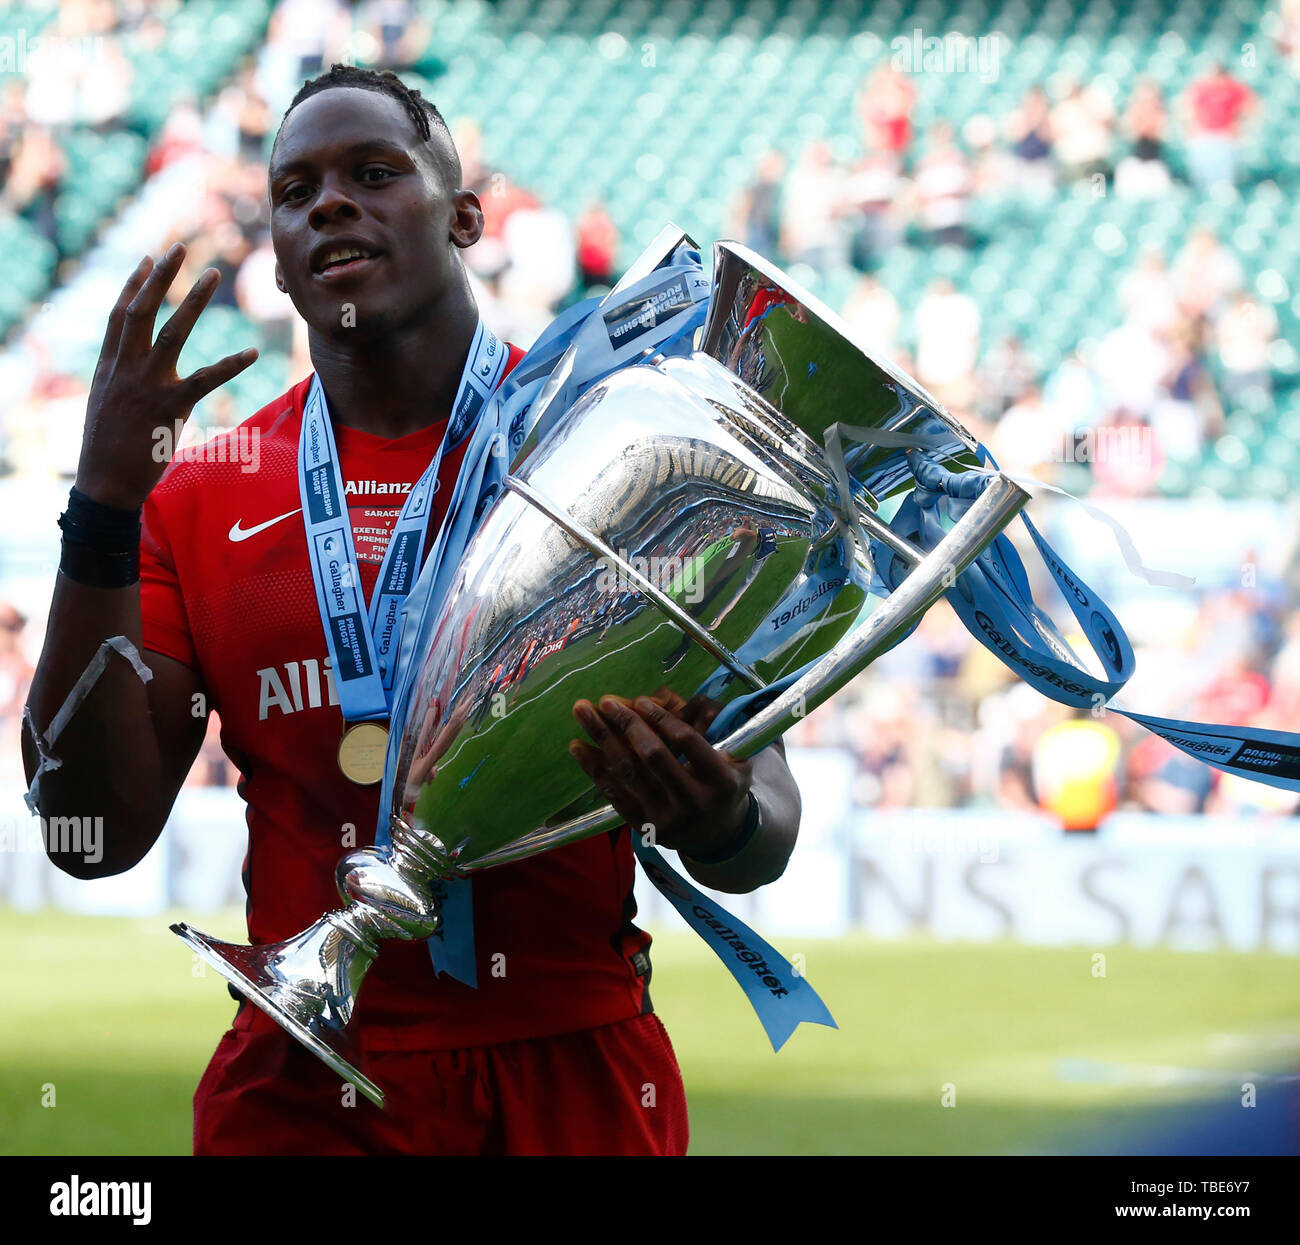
<point>363,643</point>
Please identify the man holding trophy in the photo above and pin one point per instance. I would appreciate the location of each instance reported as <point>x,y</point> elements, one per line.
<point>193,585</point>
<point>693,511</point>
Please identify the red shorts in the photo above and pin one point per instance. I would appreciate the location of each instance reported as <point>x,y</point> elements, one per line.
<point>612,1090</point>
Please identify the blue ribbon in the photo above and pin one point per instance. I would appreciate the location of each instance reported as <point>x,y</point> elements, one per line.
<point>363,642</point>
<point>781,998</point>
<point>994,600</point>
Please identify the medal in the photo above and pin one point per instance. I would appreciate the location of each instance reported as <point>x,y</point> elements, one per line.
<point>362,751</point>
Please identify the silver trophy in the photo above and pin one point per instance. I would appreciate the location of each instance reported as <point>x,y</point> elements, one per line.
<point>683,525</point>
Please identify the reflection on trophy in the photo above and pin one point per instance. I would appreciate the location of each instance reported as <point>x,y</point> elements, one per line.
<point>683,525</point>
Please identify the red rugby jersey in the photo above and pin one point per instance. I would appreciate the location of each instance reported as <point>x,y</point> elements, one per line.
<point>226,588</point>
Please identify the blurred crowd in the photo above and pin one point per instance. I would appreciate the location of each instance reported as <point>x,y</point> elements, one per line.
<point>938,721</point>
<point>905,186</point>
<point>1192,343</point>
<point>532,260</point>
<point>78,73</point>
<point>1192,340</point>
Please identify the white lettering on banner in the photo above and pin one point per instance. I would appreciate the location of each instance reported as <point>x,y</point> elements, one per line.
<point>1187,883</point>
<point>1174,882</point>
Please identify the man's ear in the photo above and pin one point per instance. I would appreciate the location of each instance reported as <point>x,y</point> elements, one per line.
<point>466,219</point>
<point>279,279</point>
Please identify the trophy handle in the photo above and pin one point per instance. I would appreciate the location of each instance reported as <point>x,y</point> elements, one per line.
<point>930,578</point>
<point>932,575</point>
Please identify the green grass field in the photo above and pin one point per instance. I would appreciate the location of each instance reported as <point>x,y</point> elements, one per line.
<point>1041,1053</point>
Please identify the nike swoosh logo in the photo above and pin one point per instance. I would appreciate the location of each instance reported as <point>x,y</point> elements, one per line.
<point>238,533</point>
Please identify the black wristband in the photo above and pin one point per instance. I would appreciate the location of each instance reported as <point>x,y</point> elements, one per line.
<point>84,565</point>
<point>739,841</point>
<point>106,529</point>
<point>101,544</point>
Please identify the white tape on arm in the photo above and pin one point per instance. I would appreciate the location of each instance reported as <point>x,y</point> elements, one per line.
<point>81,689</point>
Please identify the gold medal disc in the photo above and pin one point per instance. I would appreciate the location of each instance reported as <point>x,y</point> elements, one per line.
<point>362,751</point>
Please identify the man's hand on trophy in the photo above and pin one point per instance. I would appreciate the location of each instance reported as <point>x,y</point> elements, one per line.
<point>652,762</point>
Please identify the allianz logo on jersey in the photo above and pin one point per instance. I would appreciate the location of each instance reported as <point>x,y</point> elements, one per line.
<point>372,488</point>
<point>295,686</point>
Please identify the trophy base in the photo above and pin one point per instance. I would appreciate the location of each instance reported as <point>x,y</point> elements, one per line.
<point>246,968</point>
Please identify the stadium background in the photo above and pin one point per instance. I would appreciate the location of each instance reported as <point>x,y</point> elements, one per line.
<point>1066,221</point>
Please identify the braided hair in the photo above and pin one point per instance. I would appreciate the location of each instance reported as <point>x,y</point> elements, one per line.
<point>423,112</point>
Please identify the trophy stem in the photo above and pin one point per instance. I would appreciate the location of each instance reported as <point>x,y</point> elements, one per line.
<point>308,984</point>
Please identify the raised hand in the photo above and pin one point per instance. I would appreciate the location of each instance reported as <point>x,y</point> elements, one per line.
<point>136,391</point>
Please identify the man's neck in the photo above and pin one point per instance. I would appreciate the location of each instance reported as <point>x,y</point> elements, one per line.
<point>404,381</point>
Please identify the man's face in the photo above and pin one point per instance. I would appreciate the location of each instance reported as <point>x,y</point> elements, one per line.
<point>349,174</point>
